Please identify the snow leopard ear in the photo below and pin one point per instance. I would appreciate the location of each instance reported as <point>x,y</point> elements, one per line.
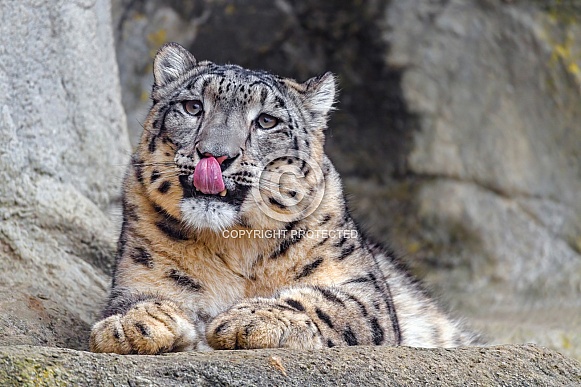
<point>171,61</point>
<point>320,94</point>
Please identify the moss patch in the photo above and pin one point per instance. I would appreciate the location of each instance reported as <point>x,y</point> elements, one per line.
<point>29,372</point>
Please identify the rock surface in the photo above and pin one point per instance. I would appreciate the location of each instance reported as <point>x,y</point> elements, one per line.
<point>494,173</point>
<point>63,147</point>
<point>354,366</point>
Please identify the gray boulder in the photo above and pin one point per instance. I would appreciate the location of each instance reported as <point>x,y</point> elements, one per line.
<point>495,165</point>
<point>353,366</point>
<point>63,149</point>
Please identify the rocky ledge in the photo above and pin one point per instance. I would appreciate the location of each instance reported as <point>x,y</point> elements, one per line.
<point>509,365</point>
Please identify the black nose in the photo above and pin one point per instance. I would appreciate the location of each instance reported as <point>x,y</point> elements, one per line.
<point>224,160</point>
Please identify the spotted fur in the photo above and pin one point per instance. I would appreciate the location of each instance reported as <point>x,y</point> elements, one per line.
<point>277,261</point>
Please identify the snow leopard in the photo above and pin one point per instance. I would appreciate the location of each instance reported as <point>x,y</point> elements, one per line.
<point>236,233</point>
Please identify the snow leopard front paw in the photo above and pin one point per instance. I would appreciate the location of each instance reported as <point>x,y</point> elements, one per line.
<point>263,323</point>
<point>148,328</point>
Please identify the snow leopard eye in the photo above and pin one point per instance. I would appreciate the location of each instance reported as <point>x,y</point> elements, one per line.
<point>265,121</point>
<point>195,107</point>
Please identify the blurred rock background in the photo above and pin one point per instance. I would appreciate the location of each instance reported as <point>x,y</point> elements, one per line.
<point>458,136</point>
<point>458,133</point>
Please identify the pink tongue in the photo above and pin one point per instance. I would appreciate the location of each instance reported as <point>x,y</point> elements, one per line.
<point>208,176</point>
